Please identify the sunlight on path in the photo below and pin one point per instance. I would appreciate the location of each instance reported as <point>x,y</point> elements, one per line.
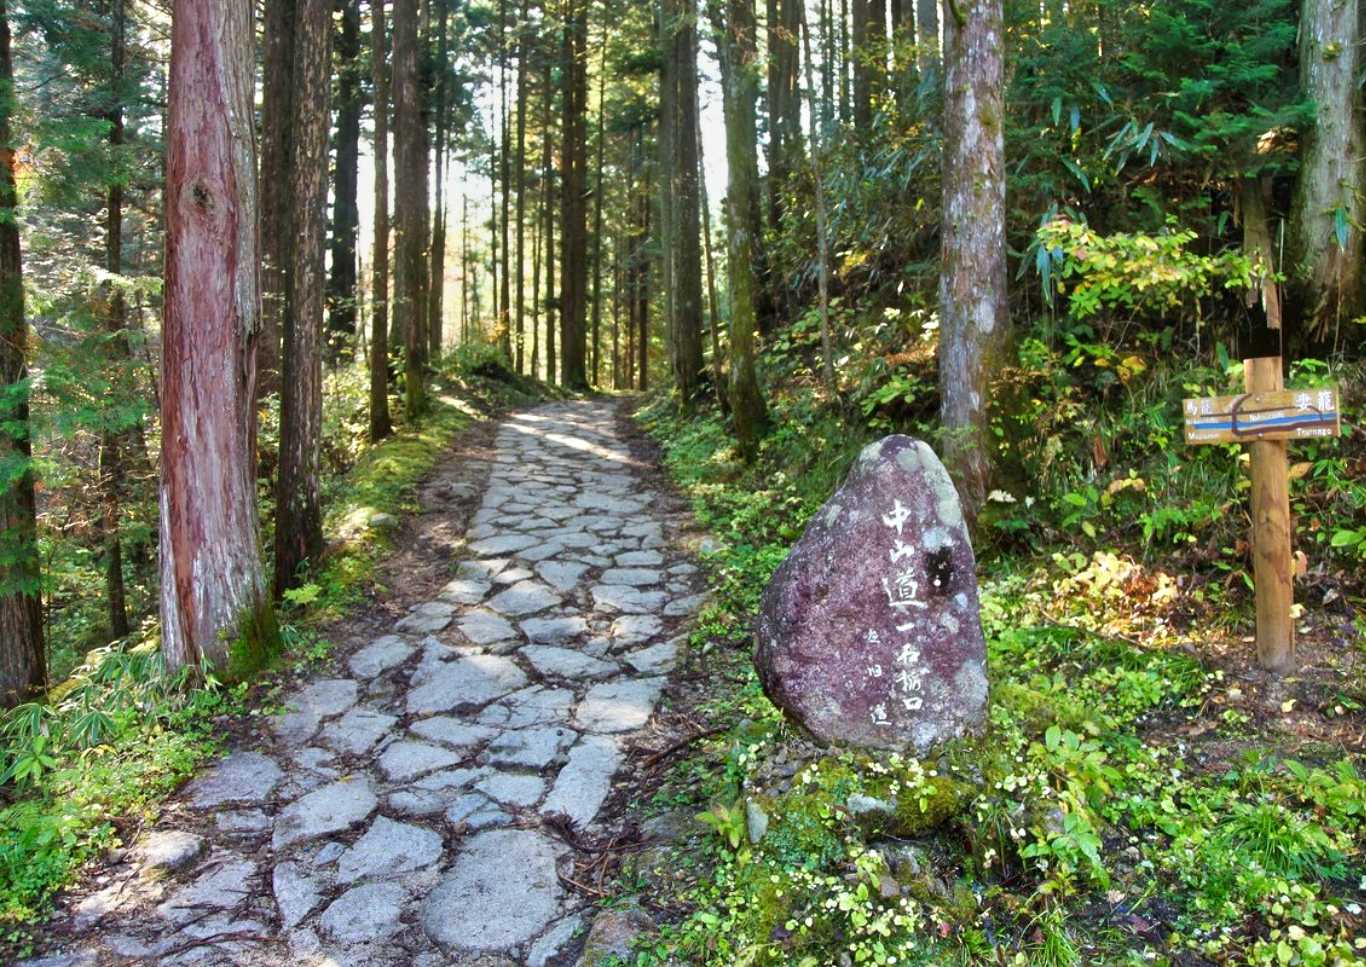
<point>398,817</point>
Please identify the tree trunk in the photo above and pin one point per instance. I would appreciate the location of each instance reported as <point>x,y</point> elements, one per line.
<point>668,123</point>
<point>213,596</point>
<point>687,324</point>
<point>409,202</point>
<point>574,160</point>
<point>597,226</point>
<point>735,32</point>
<point>277,138</point>
<point>23,668</point>
<point>505,162</point>
<point>298,511</point>
<point>784,115</point>
<point>863,81</point>
<point>548,217</point>
<point>115,310</point>
<point>972,288</point>
<point>1329,206</point>
<point>713,304</point>
<point>380,425</point>
<point>436,272</point>
<point>822,228</point>
<point>519,340</point>
<point>341,282</point>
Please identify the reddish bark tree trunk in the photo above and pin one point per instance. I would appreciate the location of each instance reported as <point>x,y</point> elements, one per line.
<point>212,586</point>
<point>342,278</point>
<point>23,670</point>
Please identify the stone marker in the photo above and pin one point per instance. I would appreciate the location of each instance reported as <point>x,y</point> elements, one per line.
<point>868,634</point>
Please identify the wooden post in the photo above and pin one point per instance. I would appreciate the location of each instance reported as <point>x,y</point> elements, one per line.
<point>1273,571</point>
<point>1272,565</point>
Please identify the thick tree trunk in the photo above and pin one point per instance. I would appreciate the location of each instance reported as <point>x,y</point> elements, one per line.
<point>23,668</point>
<point>687,324</point>
<point>277,138</point>
<point>505,165</point>
<point>1329,205</point>
<point>380,425</point>
<point>341,283</point>
<point>972,288</point>
<point>740,88</point>
<point>212,587</point>
<point>548,227</point>
<point>298,510</point>
<point>409,202</point>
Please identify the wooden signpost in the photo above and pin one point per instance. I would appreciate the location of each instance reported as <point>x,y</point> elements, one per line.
<point>1265,418</point>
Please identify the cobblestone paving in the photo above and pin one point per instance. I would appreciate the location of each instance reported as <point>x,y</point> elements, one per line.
<point>397,815</point>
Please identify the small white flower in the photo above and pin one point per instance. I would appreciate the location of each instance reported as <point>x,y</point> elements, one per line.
<point>1000,497</point>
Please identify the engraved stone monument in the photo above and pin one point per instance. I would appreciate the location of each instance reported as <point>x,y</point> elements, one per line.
<point>869,633</point>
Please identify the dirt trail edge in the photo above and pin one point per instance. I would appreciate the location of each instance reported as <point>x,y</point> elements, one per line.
<point>419,807</point>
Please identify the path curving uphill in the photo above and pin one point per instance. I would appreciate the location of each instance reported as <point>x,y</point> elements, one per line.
<point>398,813</point>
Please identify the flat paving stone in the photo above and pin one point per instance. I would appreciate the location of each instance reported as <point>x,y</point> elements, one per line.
<point>496,872</point>
<point>561,575</point>
<point>619,706</point>
<point>296,893</point>
<point>357,732</point>
<point>553,631</point>
<point>534,706</point>
<point>389,848</point>
<point>484,627</point>
<point>640,559</point>
<point>366,913</point>
<point>533,748</point>
<point>307,708</point>
<point>324,811</point>
<point>472,680</point>
<point>427,618</point>
<point>407,760</point>
<point>627,599</point>
<point>633,576</point>
<point>586,779</point>
<point>503,544</point>
<point>512,788</point>
<point>465,590</point>
<point>555,662</point>
<point>168,850</point>
<point>656,659</point>
<point>631,629</point>
<point>379,656</point>
<point>224,885</point>
<point>524,597</point>
<point>243,777</point>
<point>454,732</point>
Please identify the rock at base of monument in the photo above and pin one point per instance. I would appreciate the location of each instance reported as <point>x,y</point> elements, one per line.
<point>869,633</point>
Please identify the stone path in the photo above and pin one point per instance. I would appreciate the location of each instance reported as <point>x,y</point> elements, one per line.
<point>397,817</point>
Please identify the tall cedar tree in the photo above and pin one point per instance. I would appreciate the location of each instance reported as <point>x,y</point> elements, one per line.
<point>1330,198</point>
<point>972,283</point>
<point>114,442</point>
<point>212,583</point>
<point>519,340</point>
<point>735,37</point>
<point>342,278</point>
<point>298,509</point>
<point>410,161</point>
<point>573,187</point>
<point>380,425</point>
<point>440,111</point>
<point>687,273</point>
<point>277,139</point>
<point>23,672</point>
